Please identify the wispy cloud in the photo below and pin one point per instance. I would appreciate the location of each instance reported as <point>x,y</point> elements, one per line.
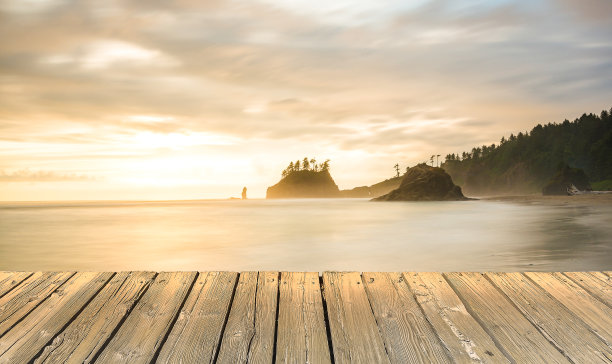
<point>26,175</point>
<point>221,78</point>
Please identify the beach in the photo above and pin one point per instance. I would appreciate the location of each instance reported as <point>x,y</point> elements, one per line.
<point>587,199</point>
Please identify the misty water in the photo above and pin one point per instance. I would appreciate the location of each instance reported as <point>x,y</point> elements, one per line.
<point>305,235</point>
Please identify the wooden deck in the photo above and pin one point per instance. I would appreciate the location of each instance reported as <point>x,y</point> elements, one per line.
<point>297,317</point>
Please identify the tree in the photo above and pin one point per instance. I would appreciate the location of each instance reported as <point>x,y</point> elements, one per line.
<point>306,164</point>
<point>291,167</point>
<point>325,165</point>
<point>313,164</point>
<point>396,166</point>
<point>297,165</point>
<point>437,162</point>
<point>431,159</point>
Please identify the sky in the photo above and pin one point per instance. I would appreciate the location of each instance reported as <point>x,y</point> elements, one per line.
<point>191,99</point>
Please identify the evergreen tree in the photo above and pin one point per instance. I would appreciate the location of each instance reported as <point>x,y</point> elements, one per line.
<point>325,165</point>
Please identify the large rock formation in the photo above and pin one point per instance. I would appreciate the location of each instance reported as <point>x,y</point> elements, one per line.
<point>305,184</point>
<point>565,180</point>
<point>425,183</point>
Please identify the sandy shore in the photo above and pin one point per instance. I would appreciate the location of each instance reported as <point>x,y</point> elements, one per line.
<point>577,200</point>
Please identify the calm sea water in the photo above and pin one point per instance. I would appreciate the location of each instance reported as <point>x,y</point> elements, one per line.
<point>313,235</point>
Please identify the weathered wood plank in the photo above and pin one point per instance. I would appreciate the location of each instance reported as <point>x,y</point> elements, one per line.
<point>355,335</point>
<point>555,321</point>
<point>407,335</point>
<point>249,333</point>
<point>24,341</point>
<point>511,330</point>
<point>240,327</point>
<point>594,313</point>
<point>17,303</point>
<point>466,340</point>
<point>262,347</point>
<point>602,276</point>
<point>8,280</point>
<point>142,332</point>
<point>81,341</point>
<point>597,285</point>
<point>195,335</point>
<point>302,336</point>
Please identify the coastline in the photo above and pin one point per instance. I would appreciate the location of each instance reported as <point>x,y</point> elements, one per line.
<point>588,199</point>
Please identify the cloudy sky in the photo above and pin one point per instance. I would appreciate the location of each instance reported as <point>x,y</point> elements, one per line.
<point>198,98</point>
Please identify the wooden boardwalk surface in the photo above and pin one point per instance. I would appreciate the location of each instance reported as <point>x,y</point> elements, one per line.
<point>298,317</point>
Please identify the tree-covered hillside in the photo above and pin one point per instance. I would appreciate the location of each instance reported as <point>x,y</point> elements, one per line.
<point>524,163</point>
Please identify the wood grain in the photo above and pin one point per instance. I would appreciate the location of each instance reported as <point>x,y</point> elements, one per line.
<point>598,285</point>
<point>142,333</point>
<point>262,347</point>
<point>9,280</point>
<point>466,340</point>
<point>355,334</point>
<point>24,341</point>
<point>519,339</point>
<point>407,335</point>
<point>197,332</point>
<point>17,303</point>
<point>81,341</point>
<point>302,336</point>
<point>261,317</point>
<point>555,321</point>
<point>593,312</point>
<point>240,327</point>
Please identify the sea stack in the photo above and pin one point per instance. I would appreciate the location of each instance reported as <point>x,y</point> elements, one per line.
<point>425,183</point>
<point>305,184</point>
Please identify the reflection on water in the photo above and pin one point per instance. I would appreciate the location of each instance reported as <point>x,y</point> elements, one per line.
<point>312,235</point>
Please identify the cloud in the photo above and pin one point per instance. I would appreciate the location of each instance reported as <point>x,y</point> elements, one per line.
<point>589,10</point>
<point>84,81</point>
<point>26,175</point>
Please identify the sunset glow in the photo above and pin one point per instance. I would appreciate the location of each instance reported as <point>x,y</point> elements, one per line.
<point>188,99</point>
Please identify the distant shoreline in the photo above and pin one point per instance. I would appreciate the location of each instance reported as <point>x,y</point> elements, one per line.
<point>576,200</point>
<point>586,199</point>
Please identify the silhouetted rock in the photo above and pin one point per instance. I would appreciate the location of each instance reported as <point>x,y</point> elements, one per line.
<point>305,184</point>
<point>565,179</point>
<point>425,183</point>
<point>374,190</point>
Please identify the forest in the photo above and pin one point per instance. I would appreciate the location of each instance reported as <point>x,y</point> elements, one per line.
<point>524,163</point>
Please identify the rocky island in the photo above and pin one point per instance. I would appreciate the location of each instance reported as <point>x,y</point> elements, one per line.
<point>305,179</point>
<point>425,183</point>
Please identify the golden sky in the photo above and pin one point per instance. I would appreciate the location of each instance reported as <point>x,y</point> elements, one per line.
<point>194,99</point>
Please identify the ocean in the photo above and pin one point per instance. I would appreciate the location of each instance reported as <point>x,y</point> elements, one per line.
<point>304,235</point>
